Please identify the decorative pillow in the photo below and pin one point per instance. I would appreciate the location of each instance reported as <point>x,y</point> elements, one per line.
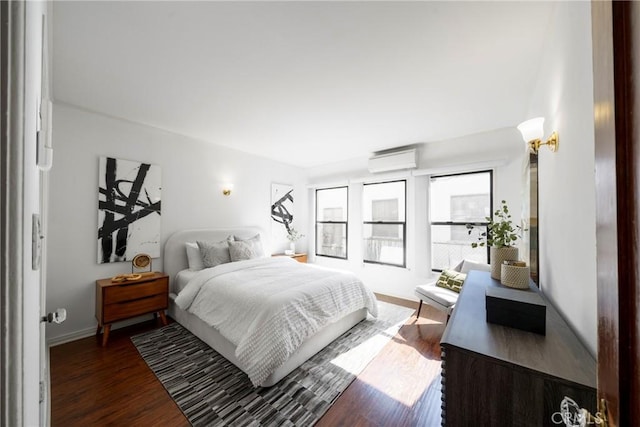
<point>242,250</point>
<point>214,253</point>
<point>194,258</point>
<point>256,244</point>
<point>452,280</point>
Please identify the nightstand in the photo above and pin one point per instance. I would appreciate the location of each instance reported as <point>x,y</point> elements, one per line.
<point>124,300</point>
<point>298,257</point>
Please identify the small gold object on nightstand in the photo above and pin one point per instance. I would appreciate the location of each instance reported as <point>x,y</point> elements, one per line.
<point>141,261</point>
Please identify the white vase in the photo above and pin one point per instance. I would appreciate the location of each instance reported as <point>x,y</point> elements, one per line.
<point>499,256</point>
<point>292,247</point>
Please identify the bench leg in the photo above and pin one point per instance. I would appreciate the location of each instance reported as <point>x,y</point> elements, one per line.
<point>419,308</point>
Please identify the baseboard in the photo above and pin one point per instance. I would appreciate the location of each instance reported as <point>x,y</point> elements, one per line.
<point>88,332</point>
<point>73,336</point>
<point>397,300</point>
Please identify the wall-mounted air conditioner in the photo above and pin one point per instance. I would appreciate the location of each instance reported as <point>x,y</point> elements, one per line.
<point>393,161</point>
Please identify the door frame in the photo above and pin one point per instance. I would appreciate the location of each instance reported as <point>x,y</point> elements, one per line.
<point>616,40</point>
<point>12,56</point>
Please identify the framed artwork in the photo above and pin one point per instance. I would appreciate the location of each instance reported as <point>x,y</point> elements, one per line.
<point>128,210</point>
<point>281,211</point>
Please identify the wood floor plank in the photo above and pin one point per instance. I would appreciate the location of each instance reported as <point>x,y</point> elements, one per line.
<point>95,385</point>
<point>401,386</point>
<point>99,386</point>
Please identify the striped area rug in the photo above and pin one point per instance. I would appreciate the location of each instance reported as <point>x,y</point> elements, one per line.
<point>211,391</point>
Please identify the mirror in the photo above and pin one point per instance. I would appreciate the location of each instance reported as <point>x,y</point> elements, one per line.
<point>533,217</point>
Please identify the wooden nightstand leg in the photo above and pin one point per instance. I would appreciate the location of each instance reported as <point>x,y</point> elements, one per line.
<point>105,335</point>
<point>98,330</point>
<point>163,318</point>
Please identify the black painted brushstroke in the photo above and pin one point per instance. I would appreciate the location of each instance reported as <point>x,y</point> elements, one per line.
<point>109,178</point>
<point>279,212</point>
<point>117,202</point>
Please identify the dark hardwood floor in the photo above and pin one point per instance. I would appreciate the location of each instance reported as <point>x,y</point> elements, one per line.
<point>97,386</point>
<point>93,385</point>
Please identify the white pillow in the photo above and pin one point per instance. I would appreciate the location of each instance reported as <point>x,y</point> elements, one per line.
<point>473,265</point>
<point>256,246</point>
<point>215,253</point>
<point>194,259</point>
<point>240,251</point>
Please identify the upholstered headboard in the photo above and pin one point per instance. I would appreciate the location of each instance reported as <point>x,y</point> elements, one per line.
<point>175,254</point>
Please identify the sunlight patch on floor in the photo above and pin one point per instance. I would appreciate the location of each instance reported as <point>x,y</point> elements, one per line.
<point>356,359</point>
<point>427,321</point>
<point>395,386</point>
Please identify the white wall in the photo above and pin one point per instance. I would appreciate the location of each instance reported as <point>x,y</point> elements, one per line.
<point>503,149</point>
<point>192,173</point>
<point>564,95</point>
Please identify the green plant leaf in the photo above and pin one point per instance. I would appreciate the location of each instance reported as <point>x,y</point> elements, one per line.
<point>500,231</point>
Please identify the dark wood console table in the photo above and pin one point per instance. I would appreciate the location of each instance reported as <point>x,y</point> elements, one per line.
<point>500,376</point>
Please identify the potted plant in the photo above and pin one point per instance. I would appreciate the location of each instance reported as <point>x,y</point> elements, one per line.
<point>500,236</point>
<point>293,236</point>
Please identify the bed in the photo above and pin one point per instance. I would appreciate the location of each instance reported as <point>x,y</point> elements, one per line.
<point>265,366</point>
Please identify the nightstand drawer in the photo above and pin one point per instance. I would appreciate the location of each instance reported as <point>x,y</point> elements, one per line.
<point>124,310</point>
<point>127,292</point>
<point>121,301</point>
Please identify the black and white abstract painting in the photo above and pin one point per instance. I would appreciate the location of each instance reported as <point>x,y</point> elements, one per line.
<point>128,210</point>
<point>281,211</point>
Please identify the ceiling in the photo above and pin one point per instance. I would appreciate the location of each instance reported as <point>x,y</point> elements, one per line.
<point>306,83</point>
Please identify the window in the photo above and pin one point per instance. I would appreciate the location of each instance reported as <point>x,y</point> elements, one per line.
<point>455,201</point>
<point>384,213</point>
<point>331,222</point>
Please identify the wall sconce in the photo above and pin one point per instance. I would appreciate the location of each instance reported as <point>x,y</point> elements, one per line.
<point>532,132</point>
<point>226,189</point>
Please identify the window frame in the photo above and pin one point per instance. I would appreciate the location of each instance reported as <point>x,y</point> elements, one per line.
<point>456,223</point>
<point>402,223</point>
<point>345,222</point>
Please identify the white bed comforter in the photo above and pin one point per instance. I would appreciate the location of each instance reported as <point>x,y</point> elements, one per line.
<point>268,306</point>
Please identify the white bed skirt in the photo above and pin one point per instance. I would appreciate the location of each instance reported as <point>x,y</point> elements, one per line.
<point>309,347</point>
